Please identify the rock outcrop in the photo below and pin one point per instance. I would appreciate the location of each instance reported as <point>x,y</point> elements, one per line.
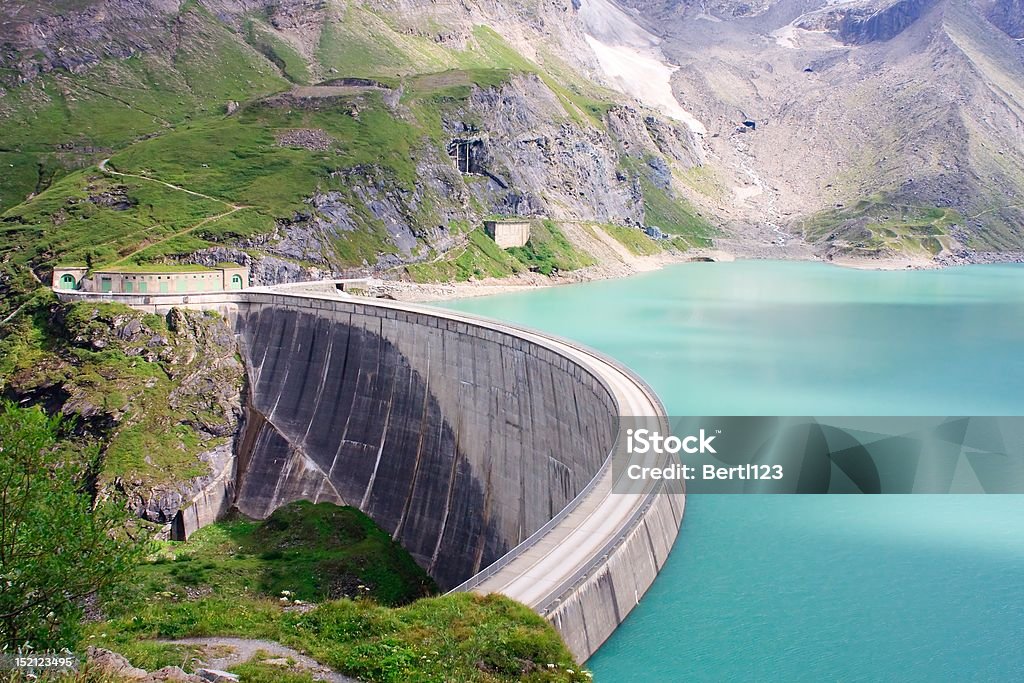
<point>117,667</point>
<point>1007,15</point>
<point>867,21</point>
<point>159,399</point>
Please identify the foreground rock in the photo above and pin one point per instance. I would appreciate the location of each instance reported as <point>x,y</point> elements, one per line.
<point>114,665</point>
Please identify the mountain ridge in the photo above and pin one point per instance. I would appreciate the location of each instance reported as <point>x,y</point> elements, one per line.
<point>890,149</point>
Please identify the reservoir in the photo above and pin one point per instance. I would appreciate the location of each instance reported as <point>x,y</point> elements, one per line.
<point>786,588</point>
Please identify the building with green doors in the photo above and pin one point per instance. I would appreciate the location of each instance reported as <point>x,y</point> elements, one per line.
<point>152,279</point>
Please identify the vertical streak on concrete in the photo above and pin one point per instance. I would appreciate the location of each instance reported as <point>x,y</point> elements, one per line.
<point>279,355</point>
<point>257,370</point>
<point>318,399</point>
<point>380,452</point>
<point>482,545</point>
<point>305,368</point>
<point>415,472</point>
<point>528,502</point>
<point>447,512</point>
<point>562,484</point>
<point>338,396</point>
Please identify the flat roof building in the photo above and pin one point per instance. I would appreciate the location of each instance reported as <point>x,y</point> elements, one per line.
<point>152,280</point>
<point>508,233</point>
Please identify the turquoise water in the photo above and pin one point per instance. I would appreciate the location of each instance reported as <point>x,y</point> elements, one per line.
<point>814,588</point>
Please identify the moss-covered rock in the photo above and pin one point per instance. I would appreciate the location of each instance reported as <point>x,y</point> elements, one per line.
<point>161,397</point>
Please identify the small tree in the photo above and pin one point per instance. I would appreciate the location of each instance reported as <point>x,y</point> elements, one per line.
<point>57,546</point>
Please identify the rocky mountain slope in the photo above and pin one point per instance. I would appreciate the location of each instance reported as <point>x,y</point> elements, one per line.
<point>315,137</point>
<point>900,122</point>
<point>319,131</point>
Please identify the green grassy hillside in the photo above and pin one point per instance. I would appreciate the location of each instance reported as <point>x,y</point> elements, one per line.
<point>879,225</point>
<point>62,121</point>
<point>208,145</point>
<point>327,581</point>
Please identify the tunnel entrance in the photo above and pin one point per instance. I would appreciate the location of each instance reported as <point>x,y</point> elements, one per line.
<point>467,154</point>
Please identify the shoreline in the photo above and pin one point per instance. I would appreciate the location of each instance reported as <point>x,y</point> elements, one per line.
<point>426,292</point>
<point>625,265</point>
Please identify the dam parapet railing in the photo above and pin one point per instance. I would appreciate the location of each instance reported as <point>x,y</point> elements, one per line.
<point>586,566</point>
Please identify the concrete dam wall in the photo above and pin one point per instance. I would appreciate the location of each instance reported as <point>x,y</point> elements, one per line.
<point>458,440</point>
<point>483,448</point>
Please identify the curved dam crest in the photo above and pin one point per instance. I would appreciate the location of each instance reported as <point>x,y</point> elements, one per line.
<point>481,447</point>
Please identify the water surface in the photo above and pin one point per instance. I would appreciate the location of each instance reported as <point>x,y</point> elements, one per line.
<point>815,588</point>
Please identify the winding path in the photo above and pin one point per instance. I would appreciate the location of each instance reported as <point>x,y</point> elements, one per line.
<point>106,169</point>
<point>103,166</point>
<point>224,653</point>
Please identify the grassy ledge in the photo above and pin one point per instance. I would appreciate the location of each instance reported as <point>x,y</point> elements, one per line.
<point>328,582</point>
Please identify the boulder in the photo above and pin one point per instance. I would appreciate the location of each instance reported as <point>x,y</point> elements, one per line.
<point>216,676</point>
<point>171,673</point>
<point>113,664</point>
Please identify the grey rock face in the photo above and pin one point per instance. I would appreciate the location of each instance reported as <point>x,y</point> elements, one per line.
<point>76,40</point>
<point>565,170</point>
<point>264,269</point>
<point>1008,15</point>
<point>868,21</point>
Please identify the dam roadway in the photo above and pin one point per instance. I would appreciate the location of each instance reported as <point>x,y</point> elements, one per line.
<point>548,566</point>
<point>536,520</point>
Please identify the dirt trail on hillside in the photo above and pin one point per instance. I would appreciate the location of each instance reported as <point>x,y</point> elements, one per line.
<point>105,168</point>
<point>223,653</point>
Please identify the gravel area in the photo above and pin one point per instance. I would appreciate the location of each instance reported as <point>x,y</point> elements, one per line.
<point>224,653</point>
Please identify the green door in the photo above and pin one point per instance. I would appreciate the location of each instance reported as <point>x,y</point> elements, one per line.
<point>67,281</point>
<point>181,285</point>
<point>106,285</point>
<point>128,287</point>
<point>165,287</point>
<point>143,288</point>
<point>236,282</point>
